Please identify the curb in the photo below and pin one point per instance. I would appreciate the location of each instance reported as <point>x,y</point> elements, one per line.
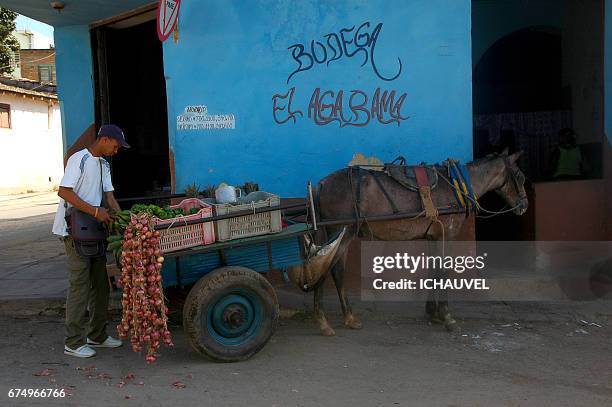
<point>46,306</point>
<point>32,307</point>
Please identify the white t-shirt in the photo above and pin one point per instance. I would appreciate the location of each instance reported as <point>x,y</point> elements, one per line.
<point>82,174</point>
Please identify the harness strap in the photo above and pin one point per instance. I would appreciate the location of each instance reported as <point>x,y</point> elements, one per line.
<point>385,193</point>
<point>462,186</point>
<point>467,185</point>
<point>452,172</point>
<point>421,176</point>
<point>357,198</point>
<point>425,192</point>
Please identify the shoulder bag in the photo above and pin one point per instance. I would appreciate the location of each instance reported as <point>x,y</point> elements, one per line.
<point>88,234</point>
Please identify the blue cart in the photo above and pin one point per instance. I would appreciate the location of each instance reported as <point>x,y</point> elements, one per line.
<point>232,310</point>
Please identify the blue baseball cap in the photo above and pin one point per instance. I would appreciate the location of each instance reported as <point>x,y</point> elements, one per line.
<point>112,131</point>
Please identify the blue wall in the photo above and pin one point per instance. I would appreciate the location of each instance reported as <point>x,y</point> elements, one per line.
<point>233,57</point>
<point>75,80</point>
<point>608,70</point>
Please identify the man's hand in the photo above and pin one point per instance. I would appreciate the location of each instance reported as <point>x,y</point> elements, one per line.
<point>103,215</point>
<point>73,199</point>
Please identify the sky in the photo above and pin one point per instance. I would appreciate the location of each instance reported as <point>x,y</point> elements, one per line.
<point>25,23</point>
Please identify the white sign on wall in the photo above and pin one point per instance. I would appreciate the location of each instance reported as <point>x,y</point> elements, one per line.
<point>196,117</point>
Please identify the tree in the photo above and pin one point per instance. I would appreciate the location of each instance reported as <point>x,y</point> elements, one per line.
<point>8,43</point>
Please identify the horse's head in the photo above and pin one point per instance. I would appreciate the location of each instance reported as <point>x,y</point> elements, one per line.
<point>512,183</point>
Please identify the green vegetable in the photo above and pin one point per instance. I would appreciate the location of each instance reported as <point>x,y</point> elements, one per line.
<point>156,211</point>
<point>114,245</point>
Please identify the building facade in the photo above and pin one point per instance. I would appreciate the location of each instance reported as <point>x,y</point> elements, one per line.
<point>30,138</point>
<point>283,92</point>
<point>35,59</point>
<point>38,65</point>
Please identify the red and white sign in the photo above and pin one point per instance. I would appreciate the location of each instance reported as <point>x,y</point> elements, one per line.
<point>167,14</point>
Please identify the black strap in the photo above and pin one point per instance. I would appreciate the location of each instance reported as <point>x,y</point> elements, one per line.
<point>400,160</point>
<point>356,199</point>
<point>385,193</point>
<point>101,182</point>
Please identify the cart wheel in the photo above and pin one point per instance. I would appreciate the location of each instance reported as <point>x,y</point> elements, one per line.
<point>230,314</point>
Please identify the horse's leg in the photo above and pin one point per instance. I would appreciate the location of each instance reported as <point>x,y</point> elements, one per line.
<point>431,307</point>
<point>319,314</point>
<point>436,306</point>
<point>350,320</point>
<point>443,311</point>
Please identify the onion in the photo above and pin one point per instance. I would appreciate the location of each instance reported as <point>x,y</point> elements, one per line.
<point>144,311</point>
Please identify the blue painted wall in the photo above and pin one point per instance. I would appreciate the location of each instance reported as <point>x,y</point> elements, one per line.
<point>608,70</point>
<point>75,80</point>
<point>494,19</point>
<point>233,57</point>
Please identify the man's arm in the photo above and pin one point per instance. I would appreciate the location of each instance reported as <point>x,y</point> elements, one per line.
<point>68,195</point>
<point>111,201</point>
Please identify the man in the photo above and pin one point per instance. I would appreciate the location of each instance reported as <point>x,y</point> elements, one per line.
<point>567,161</point>
<point>86,176</point>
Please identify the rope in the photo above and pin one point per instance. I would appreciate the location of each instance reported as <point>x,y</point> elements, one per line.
<point>29,62</point>
<point>175,219</point>
<point>443,235</point>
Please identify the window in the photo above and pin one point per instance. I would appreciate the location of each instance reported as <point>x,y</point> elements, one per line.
<point>5,116</point>
<point>16,60</point>
<point>46,73</point>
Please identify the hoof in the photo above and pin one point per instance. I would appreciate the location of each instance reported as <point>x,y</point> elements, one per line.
<point>434,318</point>
<point>450,324</point>
<point>352,322</point>
<point>327,331</point>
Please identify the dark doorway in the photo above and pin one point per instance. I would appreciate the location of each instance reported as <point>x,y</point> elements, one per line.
<point>131,92</point>
<point>522,72</point>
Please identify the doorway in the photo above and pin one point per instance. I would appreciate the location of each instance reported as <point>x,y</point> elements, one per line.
<point>537,71</point>
<point>518,77</point>
<point>131,93</point>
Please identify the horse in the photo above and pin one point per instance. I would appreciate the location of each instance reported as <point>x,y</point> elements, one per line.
<point>340,195</point>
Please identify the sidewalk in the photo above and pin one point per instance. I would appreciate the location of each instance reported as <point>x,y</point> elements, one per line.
<point>27,205</point>
<point>32,263</point>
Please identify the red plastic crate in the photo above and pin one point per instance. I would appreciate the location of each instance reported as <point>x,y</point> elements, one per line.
<point>186,236</point>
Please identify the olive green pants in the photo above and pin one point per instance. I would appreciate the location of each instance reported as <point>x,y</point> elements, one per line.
<point>87,300</point>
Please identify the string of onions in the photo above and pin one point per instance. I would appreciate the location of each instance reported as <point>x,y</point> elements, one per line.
<point>144,317</point>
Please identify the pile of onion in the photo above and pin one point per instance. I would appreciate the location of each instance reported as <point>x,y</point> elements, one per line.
<point>144,315</point>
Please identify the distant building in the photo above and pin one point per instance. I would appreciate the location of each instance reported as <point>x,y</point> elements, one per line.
<point>35,59</point>
<point>38,65</point>
<point>30,136</point>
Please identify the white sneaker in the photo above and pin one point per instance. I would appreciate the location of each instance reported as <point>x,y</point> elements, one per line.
<point>109,342</point>
<point>80,352</point>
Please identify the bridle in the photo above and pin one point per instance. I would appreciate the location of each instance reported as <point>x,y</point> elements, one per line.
<point>513,173</point>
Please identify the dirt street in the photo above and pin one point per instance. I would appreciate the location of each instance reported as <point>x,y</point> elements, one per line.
<point>395,360</point>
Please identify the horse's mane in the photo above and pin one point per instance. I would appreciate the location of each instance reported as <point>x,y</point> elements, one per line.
<point>487,158</point>
<point>442,164</point>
